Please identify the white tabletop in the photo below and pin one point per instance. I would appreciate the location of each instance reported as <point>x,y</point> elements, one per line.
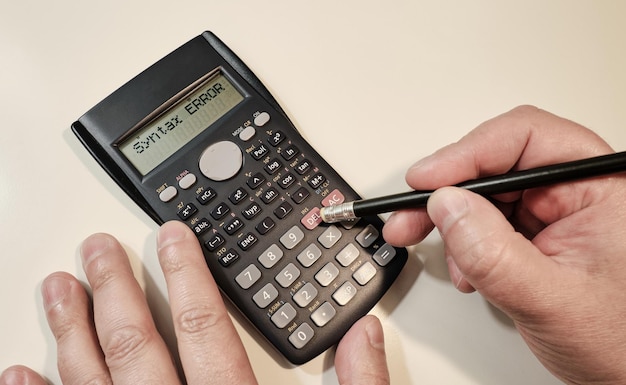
<point>373,85</point>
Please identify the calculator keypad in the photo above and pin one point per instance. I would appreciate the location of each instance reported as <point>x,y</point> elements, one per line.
<point>227,161</point>
<point>300,275</point>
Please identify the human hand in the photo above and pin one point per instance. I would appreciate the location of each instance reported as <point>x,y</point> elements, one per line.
<point>115,340</point>
<point>553,259</point>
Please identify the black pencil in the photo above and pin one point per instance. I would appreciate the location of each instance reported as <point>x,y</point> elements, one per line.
<point>498,184</point>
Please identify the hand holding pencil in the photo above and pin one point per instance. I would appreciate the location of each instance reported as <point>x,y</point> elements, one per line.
<point>552,258</point>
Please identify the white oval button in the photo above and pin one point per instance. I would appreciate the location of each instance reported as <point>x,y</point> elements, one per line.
<point>187,181</point>
<point>168,194</point>
<point>261,119</point>
<point>221,161</point>
<point>247,133</point>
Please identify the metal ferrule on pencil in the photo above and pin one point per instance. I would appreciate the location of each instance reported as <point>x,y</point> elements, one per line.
<point>338,213</point>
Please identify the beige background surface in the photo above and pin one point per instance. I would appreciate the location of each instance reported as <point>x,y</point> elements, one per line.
<point>373,85</point>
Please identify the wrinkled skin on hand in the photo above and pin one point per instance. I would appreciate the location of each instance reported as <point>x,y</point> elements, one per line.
<point>552,258</point>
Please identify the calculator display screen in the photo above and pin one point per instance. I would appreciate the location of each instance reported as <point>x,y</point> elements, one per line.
<point>153,143</point>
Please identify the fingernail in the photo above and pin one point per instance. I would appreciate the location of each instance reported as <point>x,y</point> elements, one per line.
<point>455,274</point>
<point>446,206</point>
<point>375,335</point>
<point>422,162</point>
<point>169,233</point>
<point>12,377</point>
<point>94,246</point>
<point>54,290</point>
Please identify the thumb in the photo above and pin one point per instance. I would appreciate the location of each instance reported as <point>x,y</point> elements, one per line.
<point>360,357</point>
<point>485,252</point>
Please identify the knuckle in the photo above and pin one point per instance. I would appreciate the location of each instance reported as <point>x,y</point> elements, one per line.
<point>100,274</point>
<point>99,380</point>
<point>196,322</point>
<point>126,344</point>
<point>77,376</point>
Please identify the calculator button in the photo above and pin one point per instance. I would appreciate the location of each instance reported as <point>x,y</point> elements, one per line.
<point>261,119</point>
<point>276,138</point>
<point>232,226</point>
<point>248,277</point>
<point>283,210</point>
<point>305,295</point>
<point>228,258</point>
<point>255,180</point>
<point>303,167</point>
<point>220,211</point>
<point>265,296</point>
<point>292,237</point>
<point>206,195</point>
<point>168,194</point>
<point>248,241</point>
<point>384,255</point>
<point>367,236</point>
<point>271,256</point>
<point>365,273</point>
<point>300,195</point>
<point>344,294</point>
<point>251,211</point>
<point>323,314</point>
<point>309,255</point>
<point>284,316</point>
<point>221,161</point>
<point>316,181</point>
<point>290,152</point>
<point>201,226</point>
<point>334,198</point>
<point>330,236</point>
<point>273,166</point>
<point>215,242</point>
<point>312,219</point>
<point>288,275</point>
<point>286,181</point>
<point>259,152</point>
<point>301,336</point>
<point>238,195</point>
<point>347,255</point>
<point>187,181</point>
<point>247,133</point>
<point>269,195</point>
<point>187,211</point>
<point>265,226</point>
<point>328,274</point>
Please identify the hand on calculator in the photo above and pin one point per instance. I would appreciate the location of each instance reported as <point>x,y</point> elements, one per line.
<point>115,339</point>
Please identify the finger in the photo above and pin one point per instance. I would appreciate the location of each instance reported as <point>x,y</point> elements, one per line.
<point>133,349</point>
<point>407,227</point>
<point>20,375</point>
<point>68,311</point>
<point>208,343</point>
<point>360,357</point>
<point>522,138</point>
<point>506,268</point>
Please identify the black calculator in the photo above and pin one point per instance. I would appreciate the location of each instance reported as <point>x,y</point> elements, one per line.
<point>197,137</point>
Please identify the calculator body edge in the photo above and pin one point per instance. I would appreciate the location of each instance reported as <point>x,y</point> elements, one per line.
<point>149,97</point>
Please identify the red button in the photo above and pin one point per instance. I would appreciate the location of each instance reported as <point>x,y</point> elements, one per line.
<point>312,219</point>
<point>334,198</point>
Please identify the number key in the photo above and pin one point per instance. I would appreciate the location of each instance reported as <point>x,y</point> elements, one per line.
<point>265,296</point>
<point>288,275</point>
<point>248,276</point>
<point>305,295</point>
<point>292,237</point>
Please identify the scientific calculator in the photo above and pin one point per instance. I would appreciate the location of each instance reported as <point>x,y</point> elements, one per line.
<point>197,137</point>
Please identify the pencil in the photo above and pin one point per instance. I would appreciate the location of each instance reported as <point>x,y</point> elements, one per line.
<point>498,184</point>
